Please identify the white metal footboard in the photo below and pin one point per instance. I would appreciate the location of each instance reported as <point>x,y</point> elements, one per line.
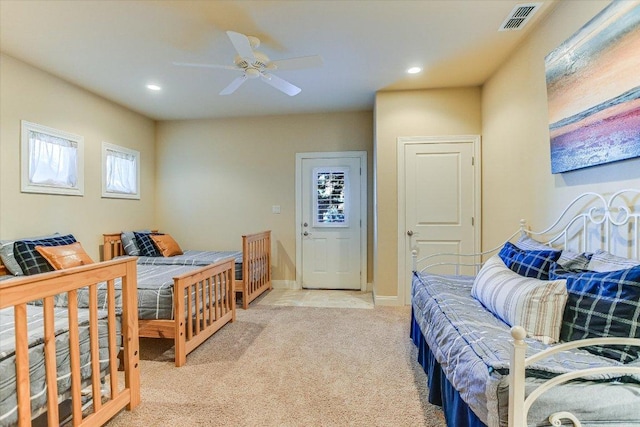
<point>519,405</point>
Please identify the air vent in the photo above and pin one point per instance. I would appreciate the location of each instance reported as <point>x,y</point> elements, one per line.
<point>519,16</point>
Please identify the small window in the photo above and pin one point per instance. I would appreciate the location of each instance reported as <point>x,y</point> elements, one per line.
<point>51,161</point>
<point>331,197</point>
<point>120,172</point>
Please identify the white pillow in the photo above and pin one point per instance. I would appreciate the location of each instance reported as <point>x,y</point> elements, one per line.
<point>536,305</point>
<point>603,261</point>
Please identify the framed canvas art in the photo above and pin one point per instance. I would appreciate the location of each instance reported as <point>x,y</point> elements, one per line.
<point>593,91</point>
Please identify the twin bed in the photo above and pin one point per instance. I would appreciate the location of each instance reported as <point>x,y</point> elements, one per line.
<point>484,369</point>
<point>207,282</point>
<point>51,354</point>
<point>252,264</point>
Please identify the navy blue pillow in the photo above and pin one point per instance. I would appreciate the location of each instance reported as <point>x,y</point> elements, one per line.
<point>30,260</point>
<point>534,264</point>
<point>146,245</point>
<point>604,305</point>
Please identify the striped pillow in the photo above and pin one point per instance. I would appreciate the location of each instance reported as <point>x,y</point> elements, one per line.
<point>603,261</point>
<point>536,305</point>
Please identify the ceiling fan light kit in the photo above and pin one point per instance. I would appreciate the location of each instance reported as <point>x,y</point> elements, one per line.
<point>254,64</point>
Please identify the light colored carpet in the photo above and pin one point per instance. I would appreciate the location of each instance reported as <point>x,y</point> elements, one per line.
<point>290,366</point>
<point>318,298</point>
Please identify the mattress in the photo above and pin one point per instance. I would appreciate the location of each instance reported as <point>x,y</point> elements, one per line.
<point>155,291</point>
<point>473,348</point>
<point>35,319</point>
<point>200,258</point>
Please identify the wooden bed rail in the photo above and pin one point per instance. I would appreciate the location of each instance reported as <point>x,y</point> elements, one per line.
<point>112,246</point>
<point>204,301</point>
<point>256,266</point>
<point>17,293</point>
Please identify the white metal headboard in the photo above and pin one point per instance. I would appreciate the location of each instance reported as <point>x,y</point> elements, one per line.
<point>591,221</point>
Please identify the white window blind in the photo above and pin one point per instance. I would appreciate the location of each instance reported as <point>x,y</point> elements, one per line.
<point>51,160</point>
<point>121,172</point>
<point>331,207</point>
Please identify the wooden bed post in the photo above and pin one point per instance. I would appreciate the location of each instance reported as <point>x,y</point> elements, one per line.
<point>517,416</point>
<point>130,338</point>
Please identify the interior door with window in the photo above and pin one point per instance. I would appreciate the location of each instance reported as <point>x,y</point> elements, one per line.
<point>330,218</point>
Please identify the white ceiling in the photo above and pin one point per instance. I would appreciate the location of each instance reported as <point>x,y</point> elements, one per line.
<point>115,47</point>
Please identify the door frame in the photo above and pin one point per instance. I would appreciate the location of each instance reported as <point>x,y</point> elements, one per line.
<point>362,155</point>
<point>403,291</point>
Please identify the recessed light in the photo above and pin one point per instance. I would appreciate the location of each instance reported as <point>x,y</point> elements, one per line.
<point>414,70</point>
<point>153,87</point>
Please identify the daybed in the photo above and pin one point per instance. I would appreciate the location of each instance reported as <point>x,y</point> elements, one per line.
<point>252,265</point>
<point>494,344</point>
<point>50,355</point>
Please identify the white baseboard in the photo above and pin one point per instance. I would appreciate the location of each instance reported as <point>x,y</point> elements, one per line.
<point>383,300</point>
<point>284,284</point>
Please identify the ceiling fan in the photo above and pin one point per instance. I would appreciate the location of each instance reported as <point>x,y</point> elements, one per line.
<point>254,64</point>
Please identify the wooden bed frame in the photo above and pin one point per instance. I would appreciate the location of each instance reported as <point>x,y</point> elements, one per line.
<point>591,221</point>
<point>18,292</point>
<point>203,315</point>
<point>256,266</point>
<point>256,262</point>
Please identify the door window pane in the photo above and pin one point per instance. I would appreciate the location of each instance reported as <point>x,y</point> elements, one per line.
<point>331,197</point>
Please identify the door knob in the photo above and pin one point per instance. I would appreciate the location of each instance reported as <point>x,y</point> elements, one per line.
<point>305,233</point>
<point>410,233</point>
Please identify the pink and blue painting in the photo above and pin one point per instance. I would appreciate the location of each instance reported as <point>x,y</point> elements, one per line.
<point>593,91</point>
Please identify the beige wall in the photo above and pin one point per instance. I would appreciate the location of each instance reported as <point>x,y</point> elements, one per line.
<point>218,179</point>
<point>27,93</point>
<point>517,179</point>
<point>410,113</point>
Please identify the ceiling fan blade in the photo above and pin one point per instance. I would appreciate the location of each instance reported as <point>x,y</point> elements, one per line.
<point>241,44</point>
<point>281,84</point>
<point>235,84</point>
<point>297,63</point>
<point>191,64</point>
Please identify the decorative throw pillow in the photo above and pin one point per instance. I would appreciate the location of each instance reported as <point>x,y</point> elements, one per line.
<point>146,245</point>
<point>536,305</point>
<point>166,245</point>
<point>604,304</point>
<point>9,259</point>
<point>65,256</point>
<point>535,264</point>
<point>529,244</point>
<point>129,244</point>
<point>30,261</point>
<point>570,260</point>
<point>604,261</point>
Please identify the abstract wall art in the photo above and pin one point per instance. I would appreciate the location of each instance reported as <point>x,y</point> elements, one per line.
<point>593,91</point>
